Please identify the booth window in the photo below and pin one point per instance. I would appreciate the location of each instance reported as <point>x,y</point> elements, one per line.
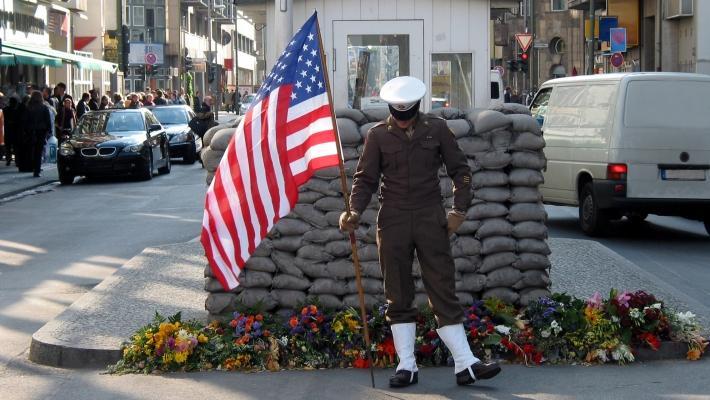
<point>372,61</point>
<point>451,80</point>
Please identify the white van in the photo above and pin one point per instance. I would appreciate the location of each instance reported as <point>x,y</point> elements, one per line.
<point>627,145</point>
<point>497,91</point>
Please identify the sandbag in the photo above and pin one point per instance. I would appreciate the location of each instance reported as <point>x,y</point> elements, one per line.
<point>309,197</point>
<point>321,236</point>
<point>212,285</point>
<point>494,227</point>
<point>486,210</point>
<point>290,282</point>
<point>207,138</point>
<point>488,120</point>
<point>369,217</point>
<point>349,131</point>
<point>528,159</point>
<point>501,293</point>
<point>351,113</point>
<point>288,298</point>
<point>469,227</point>
<point>254,279</point>
<point>208,177</point>
<point>330,302</point>
<point>222,303</point>
<point>511,108</point>
<point>527,261</point>
<point>341,268</point>
<point>533,278</point>
<point>333,218</point>
<point>493,194</point>
<point>527,212</point>
<point>286,263</point>
<point>327,173</point>
<point>526,177</point>
<point>525,123</point>
<point>371,269</point>
<point>459,127</point>
<point>523,194</point>
<point>287,243</point>
<point>534,246</point>
<point>369,285</point>
<point>330,204</point>
<point>308,213</point>
<point>365,129</point>
<point>492,160</point>
<point>500,139</point>
<point>467,264</point>
<point>528,296</point>
<point>474,144</point>
<point>290,226</point>
<point>376,114</point>
<point>488,179</point>
<point>314,252</point>
<point>497,244</point>
<point>530,230</point>
<point>471,283</point>
<point>498,260</point>
<point>350,167</point>
<point>207,272</point>
<point>211,158</point>
<point>469,246</point>
<point>320,186</point>
<point>264,249</point>
<point>465,299</point>
<point>257,298</point>
<point>447,113</point>
<point>221,139</point>
<point>503,277</point>
<point>312,269</point>
<point>527,141</point>
<point>328,286</point>
<point>473,165</point>
<point>368,253</point>
<point>263,264</point>
<point>353,300</point>
<point>350,153</point>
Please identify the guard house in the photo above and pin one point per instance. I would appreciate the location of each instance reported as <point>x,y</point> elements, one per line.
<point>367,42</point>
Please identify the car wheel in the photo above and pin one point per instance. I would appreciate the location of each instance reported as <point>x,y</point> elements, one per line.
<point>592,220</point>
<point>190,155</point>
<point>147,173</point>
<point>66,178</point>
<point>166,169</point>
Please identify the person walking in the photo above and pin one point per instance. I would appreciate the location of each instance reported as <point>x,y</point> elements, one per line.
<point>159,99</point>
<point>118,101</point>
<point>2,126</point>
<point>82,107</point>
<point>507,94</point>
<point>12,116</point>
<point>405,152</point>
<point>105,103</point>
<point>65,120</point>
<point>94,102</point>
<point>38,125</point>
<point>60,93</point>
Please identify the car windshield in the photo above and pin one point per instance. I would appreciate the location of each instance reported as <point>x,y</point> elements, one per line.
<point>107,123</point>
<point>171,116</point>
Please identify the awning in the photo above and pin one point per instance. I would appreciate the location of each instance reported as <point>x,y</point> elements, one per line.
<point>80,61</point>
<point>13,56</point>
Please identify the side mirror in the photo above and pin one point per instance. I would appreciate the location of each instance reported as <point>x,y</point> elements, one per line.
<point>155,127</point>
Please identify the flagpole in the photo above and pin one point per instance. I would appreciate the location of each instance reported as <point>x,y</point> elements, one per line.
<point>346,197</point>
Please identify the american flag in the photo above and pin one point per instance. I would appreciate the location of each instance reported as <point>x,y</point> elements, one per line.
<point>285,136</point>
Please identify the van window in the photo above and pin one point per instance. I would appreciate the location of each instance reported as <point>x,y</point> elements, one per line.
<point>495,90</point>
<point>539,105</point>
<point>564,107</point>
<point>597,104</point>
<point>667,104</point>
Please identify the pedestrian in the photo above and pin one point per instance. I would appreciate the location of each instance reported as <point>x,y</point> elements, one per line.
<point>60,92</point>
<point>228,101</point>
<point>407,150</point>
<point>236,97</point>
<point>13,121</point>
<point>2,126</point>
<point>196,103</point>
<point>159,99</point>
<point>38,125</point>
<point>65,120</point>
<point>82,107</point>
<point>118,101</point>
<point>104,104</point>
<point>204,119</point>
<point>149,100</point>
<point>47,94</point>
<point>52,110</point>
<point>134,101</point>
<point>507,94</point>
<point>207,104</point>
<point>94,101</point>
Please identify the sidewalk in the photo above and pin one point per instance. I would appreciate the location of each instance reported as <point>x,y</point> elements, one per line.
<point>13,182</point>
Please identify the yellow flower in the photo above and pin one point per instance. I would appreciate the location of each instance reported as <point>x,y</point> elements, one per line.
<point>694,354</point>
<point>202,338</point>
<point>181,357</point>
<point>592,315</point>
<point>167,357</point>
<point>337,327</point>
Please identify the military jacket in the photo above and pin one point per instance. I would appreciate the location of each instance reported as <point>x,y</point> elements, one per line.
<point>407,169</point>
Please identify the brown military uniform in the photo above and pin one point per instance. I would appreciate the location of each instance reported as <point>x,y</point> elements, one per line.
<point>411,216</point>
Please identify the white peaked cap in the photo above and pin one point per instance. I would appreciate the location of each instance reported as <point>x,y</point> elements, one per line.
<point>403,92</point>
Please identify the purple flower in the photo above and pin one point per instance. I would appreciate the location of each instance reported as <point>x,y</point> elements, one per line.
<point>548,312</point>
<point>171,343</point>
<point>595,301</point>
<point>623,299</point>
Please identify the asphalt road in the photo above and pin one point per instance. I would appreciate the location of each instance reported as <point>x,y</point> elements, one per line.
<point>56,245</point>
<point>674,251</point>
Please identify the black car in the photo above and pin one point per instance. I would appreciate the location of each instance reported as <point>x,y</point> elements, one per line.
<point>183,142</point>
<point>114,142</point>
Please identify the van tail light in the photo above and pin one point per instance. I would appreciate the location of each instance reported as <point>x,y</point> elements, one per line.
<point>616,172</point>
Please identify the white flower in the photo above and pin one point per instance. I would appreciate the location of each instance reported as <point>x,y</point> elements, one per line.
<point>556,328</point>
<point>601,355</point>
<point>687,318</point>
<point>502,329</point>
<point>545,333</point>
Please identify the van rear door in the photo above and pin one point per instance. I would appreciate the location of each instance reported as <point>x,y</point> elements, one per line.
<point>663,135</point>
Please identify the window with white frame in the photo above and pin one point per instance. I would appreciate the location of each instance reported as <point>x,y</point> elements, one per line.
<point>451,80</point>
<point>558,5</point>
<point>138,16</point>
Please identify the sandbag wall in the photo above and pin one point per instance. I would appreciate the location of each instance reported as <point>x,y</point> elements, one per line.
<point>499,251</point>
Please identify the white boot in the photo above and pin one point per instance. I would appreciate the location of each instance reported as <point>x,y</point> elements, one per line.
<point>404,336</point>
<point>455,339</point>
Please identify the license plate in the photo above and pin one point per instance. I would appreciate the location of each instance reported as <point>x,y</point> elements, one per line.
<point>683,174</point>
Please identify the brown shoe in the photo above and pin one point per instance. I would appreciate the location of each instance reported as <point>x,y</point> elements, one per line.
<point>478,370</point>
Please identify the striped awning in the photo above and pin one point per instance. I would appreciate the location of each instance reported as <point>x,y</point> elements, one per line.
<point>14,56</point>
<point>80,61</point>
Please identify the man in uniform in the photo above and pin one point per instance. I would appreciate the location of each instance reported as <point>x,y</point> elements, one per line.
<point>406,151</point>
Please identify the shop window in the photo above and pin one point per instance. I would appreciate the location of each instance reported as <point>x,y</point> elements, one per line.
<point>372,61</point>
<point>451,80</point>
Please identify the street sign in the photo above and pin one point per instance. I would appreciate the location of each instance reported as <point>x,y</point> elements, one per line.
<point>540,45</point>
<point>150,58</point>
<point>500,70</point>
<point>618,40</point>
<point>524,40</point>
<point>617,59</point>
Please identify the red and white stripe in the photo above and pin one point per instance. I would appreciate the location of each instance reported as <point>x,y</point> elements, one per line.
<point>275,149</point>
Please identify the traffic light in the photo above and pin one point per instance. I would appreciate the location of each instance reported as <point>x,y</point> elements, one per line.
<point>125,47</point>
<point>187,61</point>
<point>523,63</point>
<point>512,65</point>
<point>151,70</point>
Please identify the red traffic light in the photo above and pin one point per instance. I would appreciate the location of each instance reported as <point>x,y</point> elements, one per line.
<point>524,56</point>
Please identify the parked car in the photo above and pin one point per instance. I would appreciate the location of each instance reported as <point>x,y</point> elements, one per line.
<point>114,142</point>
<point>497,91</point>
<point>183,142</point>
<point>246,103</point>
<point>627,145</point>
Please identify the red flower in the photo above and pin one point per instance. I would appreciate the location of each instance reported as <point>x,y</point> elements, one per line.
<point>652,340</point>
<point>361,363</point>
<point>427,349</point>
<point>431,335</point>
<point>233,323</point>
<point>474,333</point>
<point>388,346</point>
<point>537,358</point>
<point>528,348</point>
<point>293,322</point>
